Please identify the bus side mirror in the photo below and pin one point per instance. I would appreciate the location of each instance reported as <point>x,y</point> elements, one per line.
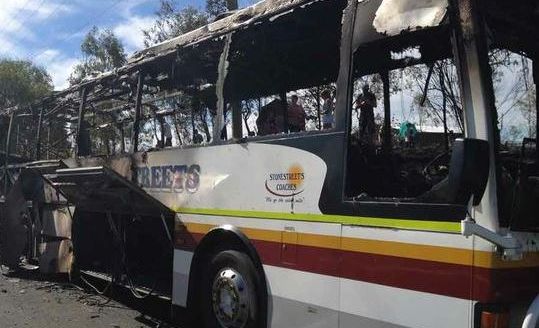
<point>468,171</point>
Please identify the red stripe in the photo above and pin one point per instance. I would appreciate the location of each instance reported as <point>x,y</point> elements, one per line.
<point>425,276</point>
<point>454,280</point>
<point>505,285</point>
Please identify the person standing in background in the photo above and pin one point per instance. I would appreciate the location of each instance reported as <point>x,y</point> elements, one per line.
<point>365,103</point>
<point>296,115</point>
<point>328,108</point>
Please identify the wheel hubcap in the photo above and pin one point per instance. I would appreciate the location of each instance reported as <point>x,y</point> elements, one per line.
<point>230,299</point>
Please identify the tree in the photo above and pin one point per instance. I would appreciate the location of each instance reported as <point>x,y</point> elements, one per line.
<point>102,51</point>
<point>435,89</point>
<point>21,83</point>
<point>443,93</point>
<point>172,21</point>
<point>216,7</point>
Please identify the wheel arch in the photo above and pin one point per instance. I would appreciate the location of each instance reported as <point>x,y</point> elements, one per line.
<point>225,237</point>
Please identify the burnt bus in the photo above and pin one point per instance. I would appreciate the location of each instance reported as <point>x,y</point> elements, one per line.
<point>323,227</point>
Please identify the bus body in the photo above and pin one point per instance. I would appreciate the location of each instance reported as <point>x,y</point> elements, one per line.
<point>279,230</point>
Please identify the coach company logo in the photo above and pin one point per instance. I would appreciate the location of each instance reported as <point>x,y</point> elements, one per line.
<point>286,184</point>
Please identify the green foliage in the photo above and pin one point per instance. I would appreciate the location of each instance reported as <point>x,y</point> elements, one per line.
<point>172,21</point>
<point>102,51</point>
<point>216,7</point>
<point>22,82</point>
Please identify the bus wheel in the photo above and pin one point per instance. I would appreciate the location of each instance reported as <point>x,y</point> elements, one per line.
<point>230,292</point>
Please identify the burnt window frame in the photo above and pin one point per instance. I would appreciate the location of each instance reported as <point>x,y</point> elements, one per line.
<point>509,30</point>
<point>384,208</point>
<point>174,71</point>
<point>286,133</point>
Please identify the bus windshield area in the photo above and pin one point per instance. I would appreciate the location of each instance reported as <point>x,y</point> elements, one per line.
<point>405,113</point>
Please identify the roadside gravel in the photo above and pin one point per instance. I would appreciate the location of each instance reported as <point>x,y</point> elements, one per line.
<point>32,303</point>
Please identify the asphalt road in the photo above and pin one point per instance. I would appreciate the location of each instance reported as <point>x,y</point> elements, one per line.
<point>27,302</point>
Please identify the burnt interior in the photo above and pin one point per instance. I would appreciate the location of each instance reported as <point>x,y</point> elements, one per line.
<point>390,171</point>
<point>118,229</point>
<point>132,249</point>
<point>514,28</point>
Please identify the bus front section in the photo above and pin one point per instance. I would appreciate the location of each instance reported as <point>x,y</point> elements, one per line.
<point>457,82</point>
<point>498,66</point>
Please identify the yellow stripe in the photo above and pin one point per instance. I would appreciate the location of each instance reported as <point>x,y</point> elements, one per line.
<point>257,234</point>
<point>411,251</point>
<point>434,226</point>
<point>197,227</point>
<point>324,241</point>
<point>380,247</point>
<point>493,260</point>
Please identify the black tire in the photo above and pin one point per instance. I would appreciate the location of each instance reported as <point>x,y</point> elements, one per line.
<point>242,264</point>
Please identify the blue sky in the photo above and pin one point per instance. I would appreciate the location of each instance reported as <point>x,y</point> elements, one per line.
<point>49,32</point>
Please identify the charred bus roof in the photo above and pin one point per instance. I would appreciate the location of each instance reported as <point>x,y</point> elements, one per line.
<point>274,32</point>
<point>515,26</point>
<point>268,10</point>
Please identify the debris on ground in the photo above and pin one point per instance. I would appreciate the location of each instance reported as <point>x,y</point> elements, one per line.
<point>41,304</point>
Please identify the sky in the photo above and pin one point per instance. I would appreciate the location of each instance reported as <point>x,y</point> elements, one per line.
<point>49,32</point>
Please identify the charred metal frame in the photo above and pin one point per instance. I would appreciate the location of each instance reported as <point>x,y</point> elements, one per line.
<point>386,143</point>
<point>237,123</point>
<point>8,146</point>
<point>80,122</point>
<point>75,102</point>
<point>344,80</point>
<point>224,28</point>
<point>536,81</point>
<point>471,55</point>
<point>138,109</point>
<point>284,107</point>
<point>38,132</point>
<point>222,72</point>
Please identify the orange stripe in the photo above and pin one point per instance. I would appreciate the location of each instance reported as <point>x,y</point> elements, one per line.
<point>380,247</point>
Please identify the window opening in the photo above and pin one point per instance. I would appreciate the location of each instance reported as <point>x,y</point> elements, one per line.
<point>405,114</point>
<point>515,95</point>
<point>282,72</point>
<point>180,107</point>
